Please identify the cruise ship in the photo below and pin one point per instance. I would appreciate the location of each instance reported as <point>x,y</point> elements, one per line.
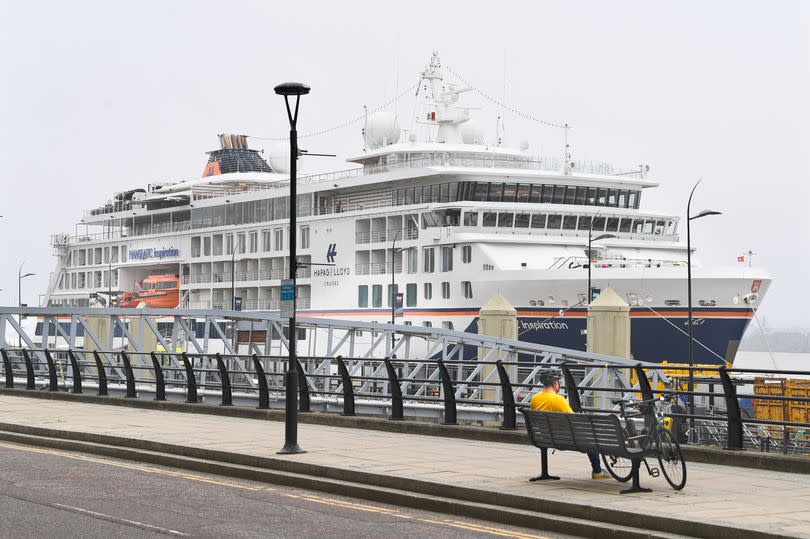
<point>447,221</point>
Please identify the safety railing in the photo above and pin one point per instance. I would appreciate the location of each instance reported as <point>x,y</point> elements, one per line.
<point>451,391</point>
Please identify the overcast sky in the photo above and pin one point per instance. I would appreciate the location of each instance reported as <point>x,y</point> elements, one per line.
<point>98,97</point>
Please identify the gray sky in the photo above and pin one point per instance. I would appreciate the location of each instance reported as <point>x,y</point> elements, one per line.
<point>98,97</point>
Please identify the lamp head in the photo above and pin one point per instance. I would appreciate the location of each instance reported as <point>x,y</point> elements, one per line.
<point>27,275</point>
<point>704,213</point>
<point>603,237</point>
<point>292,88</point>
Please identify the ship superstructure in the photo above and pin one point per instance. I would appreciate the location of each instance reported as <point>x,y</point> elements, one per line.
<point>450,220</point>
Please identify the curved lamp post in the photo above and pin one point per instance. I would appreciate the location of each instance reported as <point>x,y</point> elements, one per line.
<point>689,218</point>
<point>20,277</point>
<point>294,90</point>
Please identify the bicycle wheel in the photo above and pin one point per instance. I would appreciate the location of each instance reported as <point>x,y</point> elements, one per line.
<point>671,460</point>
<point>620,468</point>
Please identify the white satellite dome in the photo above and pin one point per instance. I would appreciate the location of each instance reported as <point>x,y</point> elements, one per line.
<point>382,129</point>
<point>471,132</point>
<point>279,157</point>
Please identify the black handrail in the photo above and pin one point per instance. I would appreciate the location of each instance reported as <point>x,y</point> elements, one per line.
<point>509,416</point>
<point>397,409</point>
<point>303,390</point>
<point>102,375</point>
<point>8,369</point>
<point>130,376</point>
<point>77,374</point>
<point>348,388</point>
<point>53,381</point>
<point>449,395</point>
<point>29,371</point>
<point>571,389</point>
<point>735,424</point>
<point>264,393</point>
<point>160,382</point>
<point>191,381</point>
<point>225,380</point>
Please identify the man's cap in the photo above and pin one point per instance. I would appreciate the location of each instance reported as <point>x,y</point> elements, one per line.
<point>550,376</point>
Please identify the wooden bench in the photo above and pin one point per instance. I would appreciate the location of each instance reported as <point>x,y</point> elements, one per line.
<point>586,433</point>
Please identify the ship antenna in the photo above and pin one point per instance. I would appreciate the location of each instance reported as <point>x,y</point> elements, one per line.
<point>567,163</point>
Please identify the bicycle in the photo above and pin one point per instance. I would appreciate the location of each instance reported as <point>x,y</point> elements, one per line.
<point>654,440</point>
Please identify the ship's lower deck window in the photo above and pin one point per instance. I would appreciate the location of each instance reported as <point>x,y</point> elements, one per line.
<point>505,219</point>
<point>445,290</point>
<point>376,295</point>
<point>466,287</point>
<point>362,295</point>
<point>447,324</point>
<point>569,222</point>
<point>410,295</point>
<point>427,324</point>
<point>466,254</point>
<point>428,290</point>
<point>490,218</point>
<point>522,220</point>
<point>470,218</point>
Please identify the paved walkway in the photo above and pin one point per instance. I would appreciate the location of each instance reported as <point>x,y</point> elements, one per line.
<point>761,500</point>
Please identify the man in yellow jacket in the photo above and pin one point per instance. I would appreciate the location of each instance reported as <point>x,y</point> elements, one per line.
<point>550,400</point>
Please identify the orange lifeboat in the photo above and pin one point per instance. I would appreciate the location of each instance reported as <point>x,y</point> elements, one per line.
<point>127,300</point>
<point>160,291</point>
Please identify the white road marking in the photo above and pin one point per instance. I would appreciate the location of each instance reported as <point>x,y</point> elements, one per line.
<point>120,520</point>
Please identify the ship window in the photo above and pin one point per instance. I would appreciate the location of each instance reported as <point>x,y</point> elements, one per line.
<point>554,222</point>
<point>611,198</point>
<point>626,225</point>
<point>598,224</point>
<point>412,260</point>
<point>659,227</point>
<point>581,195</point>
<point>570,194</point>
<point>447,324</point>
<point>410,295</point>
<point>452,195</point>
<point>362,295</point>
<point>522,220</point>
<point>584,223</point>
<point>632,199</point>
<point>393,290</point>
<point>548,193</point>
<point>509,192</point>
<point>648,226</point>
<point>240,243</point>
<point>569,222</point>
<point>466,287</point>
<point>638,226</point>
<point>470,218</point>
<point>445,193</point>
<point>559,194</point>
<point>304,237</point>
<point>495,192</point>
<point>429,258</point>
<point>490,218</point>
<point>523,193</point>
<point>254,241</point>
<point>670,227</point>
<point>601,197</point>
<point>447,258</point>
<point>506,219</point>
<point>539,220</point>
<point>622,199</point>
<point>427,324</point>
<point>612,224</point>
<point>534,194</point>
<point>278,239</point>
<point>466,254</point>
<point>590,198</point>
<point>267,240</point>
<point>428,290</point>
<point>445,290</point>
<point>481,190</point>
<point>376,295</point>
<point>207,246</point>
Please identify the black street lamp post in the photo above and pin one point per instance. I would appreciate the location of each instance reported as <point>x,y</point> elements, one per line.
<point>296,90</point>
<point>233,270</point>
<point>591,239</point>
<point>689,218</point>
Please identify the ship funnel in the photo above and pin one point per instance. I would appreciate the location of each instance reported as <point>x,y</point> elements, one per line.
<point>228,141</point>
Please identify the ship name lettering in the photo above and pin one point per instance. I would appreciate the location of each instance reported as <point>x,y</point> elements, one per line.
<point>543,325</point>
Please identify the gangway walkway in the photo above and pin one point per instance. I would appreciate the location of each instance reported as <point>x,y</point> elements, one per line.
<point>753,500</point>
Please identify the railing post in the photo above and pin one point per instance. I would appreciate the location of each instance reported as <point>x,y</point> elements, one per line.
<point>225,381</point>
<point>160,382</point>
<point>734,438</point>
<point>130,376</point>
<point>77,375</point>
<point>191,381</point>
<point>397,412</point>
<point>29,371</point>
<point>571,390</point>
<point>303,390</point>
<point>643,384</point>
<point>7,367</point>
<point>264,393</point>
<point>53,381</point>
<point>449,395</point>
<point>348,389</point>
<point>508,398</point>
<point>102,375</point>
